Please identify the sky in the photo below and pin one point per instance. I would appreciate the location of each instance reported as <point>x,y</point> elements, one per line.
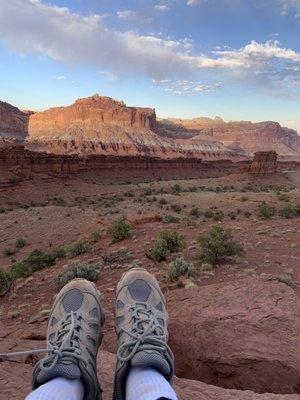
<point>238,59</point>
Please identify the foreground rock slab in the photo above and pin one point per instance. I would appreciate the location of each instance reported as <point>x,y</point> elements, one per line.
<point>15,379</point>
<point>241,335</point>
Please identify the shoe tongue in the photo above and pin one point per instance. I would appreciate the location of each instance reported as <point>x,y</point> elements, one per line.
<point>151,358</point>
<point>63,370</point>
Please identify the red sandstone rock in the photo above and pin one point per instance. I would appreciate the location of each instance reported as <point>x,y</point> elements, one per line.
<point>13,122</point>
<point>264,163</point>
<point>240,136</point>
<point>242,335</point>
<point>15,380</point>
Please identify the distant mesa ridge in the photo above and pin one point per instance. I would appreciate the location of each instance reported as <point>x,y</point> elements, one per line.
<point>102,125</point>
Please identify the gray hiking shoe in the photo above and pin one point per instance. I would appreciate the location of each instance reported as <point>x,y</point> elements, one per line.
<point>73,336</point>
<point>141,326</point>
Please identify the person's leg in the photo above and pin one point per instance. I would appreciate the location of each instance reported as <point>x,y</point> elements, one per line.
<point>58,388</point>
<point>74,333</point>
<point>145,363</point>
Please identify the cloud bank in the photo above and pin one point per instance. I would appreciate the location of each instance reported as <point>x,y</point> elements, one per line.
<point>31,26</point>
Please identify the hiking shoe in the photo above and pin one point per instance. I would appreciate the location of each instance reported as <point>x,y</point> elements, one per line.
<point>74,334</point>
<point>141,326</point>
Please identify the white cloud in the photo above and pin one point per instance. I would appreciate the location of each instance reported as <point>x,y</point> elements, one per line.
<point>31,26</point>
<point>291,6</point>
<point>127,14</point>
<point>60,77</point>
<point>193,2</point>
<point>184,86</point>
<point>161,7</point>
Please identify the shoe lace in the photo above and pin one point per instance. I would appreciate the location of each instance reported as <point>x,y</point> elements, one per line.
<point>146,333</point>
<point>66,345</point>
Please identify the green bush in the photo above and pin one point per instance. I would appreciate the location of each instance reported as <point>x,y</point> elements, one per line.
<point>176,189</point>
<point>19,269</point>
<point>38,259</point>
<point>208,214</point>
<point>59,253</point>
<point>283,197</point>
<point>20,243</point>
<point>2,210</point>
<point>170,219</point>
<point>77,269</point>
<point>218,245</point>
<point>179,267</point>
<point>9,251</point>
<point>195,212</point>
<point>297,210</point>
<point>218,215</point>
<point>288,212</point>
<point>75,249</point>
<point>177,208</point>
<point>5,281</point>
<point>15,179</point>
<point>119,230</point>
<point>265,211</point>
<point>166,243</point>
<point>95,236</point>
<point>162,201</point>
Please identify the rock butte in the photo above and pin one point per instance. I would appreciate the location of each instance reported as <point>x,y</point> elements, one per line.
<point>102,125</point>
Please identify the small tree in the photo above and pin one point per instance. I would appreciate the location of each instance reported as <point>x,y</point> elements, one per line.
<point>119,230</point>
<point>5,281</point>
<point>218,245</point>
<point>265,211</point>
<point>166,243</point>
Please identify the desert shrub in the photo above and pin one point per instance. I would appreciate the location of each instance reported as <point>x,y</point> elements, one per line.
<point>170,219</point>
<point>2,210</point>
<point>179,267</point>
<point>297,210</point>
<point>119,230</point>
<point>95,236</point>
<point>286,279</point>
<point>247,214</point>
<point>75,249</point>
<point>5,281</point>
<point>39,259</point>
<point>192,189</point>
<point>283,197</point>
<point>19,269</point>
<point>176,189</point>
<point>287,212</point>
<point>15,179</point>
<point>77,269</point>
<point>59,252</point>
<point>162,201</point>
<point>120,256</point>
<point>177,208</point>
<point>20,243</point>
<point>265,211</point>
<point>195,212</point>
<point>166,243</point>
<point>129,194</point>
<point>208,214</point>
<point>218,245</point>
<point>218,215</point>
<point>9,251</point>
<point>243,198</point>
<point>232,215</point>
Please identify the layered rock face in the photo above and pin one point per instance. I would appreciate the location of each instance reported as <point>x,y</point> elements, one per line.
<point>240,136</point>
<point>13,122</point>
<point>241,335</point>
<point>264,163</point>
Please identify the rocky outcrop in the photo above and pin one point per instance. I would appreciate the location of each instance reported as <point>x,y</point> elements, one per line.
<point>13,122</point>
<point>101,125</point>
<point>264,163</point>
<point>241,335</point>
<point>243,136</point>
<point>21,162</point>
<point>15,381</point>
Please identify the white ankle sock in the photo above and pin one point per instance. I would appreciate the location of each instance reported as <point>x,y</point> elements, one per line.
<point>148,384</point>
<point>58,389</point>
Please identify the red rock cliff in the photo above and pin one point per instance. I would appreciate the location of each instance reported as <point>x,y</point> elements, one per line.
<point>13,122</point>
